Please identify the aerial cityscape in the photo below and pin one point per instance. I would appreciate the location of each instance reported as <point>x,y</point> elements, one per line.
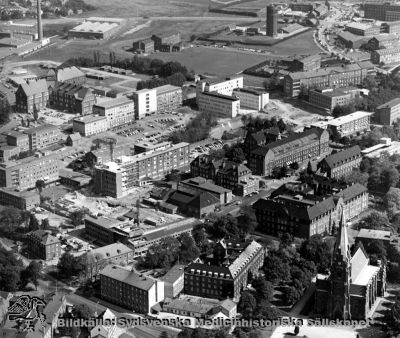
<point>195,169</point>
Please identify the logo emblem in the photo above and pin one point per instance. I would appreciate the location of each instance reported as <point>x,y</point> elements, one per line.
<point>26,310</point>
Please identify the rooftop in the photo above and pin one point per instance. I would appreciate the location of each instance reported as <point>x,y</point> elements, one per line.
<point>114,102</point>
<point>349,118</point>
<point>166,89</point>
<point>174,274</point>
<point>128,277</point>
<point>374,234</point>
<point>89,118</point>
<point>341,157</point>
<point>390,104</point>
<point>111,250</point>
<point>221,96</point>
<point>359,25</point>
<point>42,128</point>
<point>205,184</point>
<point>250,91</point>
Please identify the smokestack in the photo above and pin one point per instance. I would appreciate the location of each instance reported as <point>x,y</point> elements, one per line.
<point>39,21</point>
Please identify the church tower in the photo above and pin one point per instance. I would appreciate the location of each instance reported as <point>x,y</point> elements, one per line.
<point>339,300</point>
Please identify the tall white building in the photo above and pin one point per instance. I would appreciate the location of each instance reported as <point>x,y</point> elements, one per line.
<point>145,102</point>
<point>117,111</point>
<point>224,106</point>
<point>221,86</point>
<point>90,125</point>
<point>251,98</point>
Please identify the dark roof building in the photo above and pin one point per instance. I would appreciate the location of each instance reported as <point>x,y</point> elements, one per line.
<point>341,163</point>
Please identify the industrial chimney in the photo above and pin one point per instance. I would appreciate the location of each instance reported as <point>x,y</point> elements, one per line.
<point>39,21</point>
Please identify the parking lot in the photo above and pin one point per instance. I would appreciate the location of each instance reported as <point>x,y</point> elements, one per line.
<point>55,117</point>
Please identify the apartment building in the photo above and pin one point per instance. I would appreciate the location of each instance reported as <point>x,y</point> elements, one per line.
<point>383,41</point>
<point>126,288</point>
<point>382,11</point>
<point>169,98</point>
<point>225,274</point>
<point>75,98</point>
<point>251,98</point>
<point>357,122</point>
<point>298,147</point>
<point>24,200</point>
<point>118,178</point>
<point>341,163</point>
<point>30,96</point>
<point>305,211</point>
<point>90,125</point>
<point>221,105</point>
<point>236,177</point>
<point>388,112</point>
<point>117,111</point>
<point>363,29</point>
<point>23,174</point>
<point>386,56</point>
<point>8,152</point>
<point>43,136</point>
<point>145,102</point>
<point>329,98</point>
<point>42,245</point>
<point>97,259</point>
<point>145,45</point>
<point>221,86</point>
<point>18,139</point>
<point>331,77</point>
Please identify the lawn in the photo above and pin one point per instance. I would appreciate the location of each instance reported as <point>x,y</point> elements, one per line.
<point>212,61</point>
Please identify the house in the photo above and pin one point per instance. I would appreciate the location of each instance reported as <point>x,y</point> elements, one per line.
<point>341,163</point>
<point>74,139</point>
<point>43,245</point>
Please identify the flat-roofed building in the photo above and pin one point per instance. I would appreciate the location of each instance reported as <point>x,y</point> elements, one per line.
<point>364,29</point>
<point>42,245</point>
<point>126,288</point>
<point>391,27</point>
<point>368,236</point>
<point>100,229</point>
<point>169,98</point>
<point>350,40</point>
<point>220,105</point>
<point>31,95</point>
<point>341,163</point>
<point>388,112</point>
<point>8,152</point>
<point>24,173</point>
<point>145,102</point>
<point>97,259</point>
<point>329,98</point>
<point>386,56</point>
<point>357,122</point>
<point>332,77</point>
<point>18,139</point>
<point>74,179</point>
<point>117,111</point>
<point>298,147</point>
<point>43,136</point>
<point>224,274</point>
<point>384,41</point>
<point>24,200</point>
<point>144,147</point>
<point>382,11</point>
<point>90,125</point>
<point>201,184</point>
<point>221,86</point>
<point>118,178</point>
<point>252,98</point>
<point>173,281</point>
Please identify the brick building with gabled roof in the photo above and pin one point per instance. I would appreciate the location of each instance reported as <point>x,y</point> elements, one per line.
<point>31,95</point>
<point>43,245</point>
<point>341,163</point>
<point>260,138</point>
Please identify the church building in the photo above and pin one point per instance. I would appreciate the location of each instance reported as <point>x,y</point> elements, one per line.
<point>354,283</point>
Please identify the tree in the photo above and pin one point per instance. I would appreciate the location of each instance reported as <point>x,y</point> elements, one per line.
<point>266,311</point>
<point>81,311</point>
<point>375,220</point>
<point>247,305</point>
<point>393,321</point>
<point>294,166</point>
<point>392,201</point>
<point>390,178</point>
<point>32,273</point>
<point>77,216</point>
<point>316,250</point>
<point>164,334</point>
<point>188,249</point>
<point>40,184</point>
<point>247,220</point>
<point>35,113</point>
<point>69,266</point>
<point>45,225</point>
<point>291,295</point>
<point>264,289</point>
<point>222,226</point>
<point>33,223</point>
<point>199,235</point>
<point>310,170</point>
<point>185,333</point>
<point>276,269</point>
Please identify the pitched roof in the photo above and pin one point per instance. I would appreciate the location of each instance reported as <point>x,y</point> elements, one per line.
<point>34,87</point>
<point>174,274</point>
<point>69,73</point>
<point>128,277</point>
<point>111,250</point>
<point>390,104</point>
<point>75,136</point>
<point>342,157</point>
<point>351,192</point>
<point>203,200</point>
<point>45,237</point>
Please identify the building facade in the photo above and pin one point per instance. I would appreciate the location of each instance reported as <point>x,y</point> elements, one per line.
<point>219,104</point>
<point>42,245</point>
<point>363,29</point>
<point>129,289</point>
<point>75,98</point>
<point>24,200</point>
<point>90,125</point>
<point>272,21</point>
<point>118,178</point>
<point>145,102</point>
<point>330,98</point>
<point>251,98</point>
<point>23,174</point>
<point>226,273</point>
<point>117,111</point>
<point>382,11</point>
<point>174,281</point>
<point>386,56</point>
<point>18,139</point>
<point>341,163</point>
<point>221,86</point>
<point>236,177</point>
<point>298,148</point>
<point>31,96</point>
<point>388,112</point>
<point>145,45</point>
<point>357,122</point>
<point>43,136</point>
<point>169,98</point>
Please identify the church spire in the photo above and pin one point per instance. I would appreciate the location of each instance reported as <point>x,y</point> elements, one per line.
<point>342,241</point>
